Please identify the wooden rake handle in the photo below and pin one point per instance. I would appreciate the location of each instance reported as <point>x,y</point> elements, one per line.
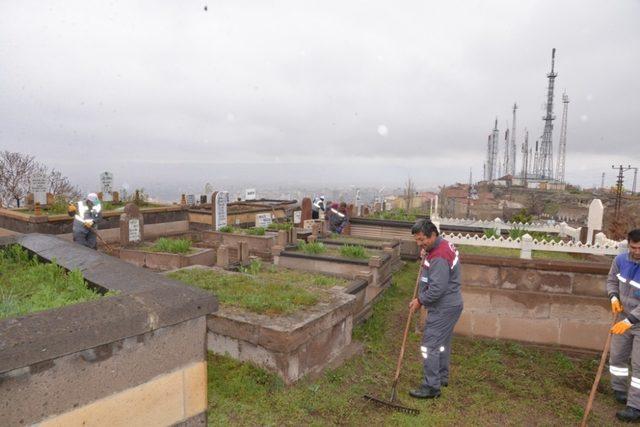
<point>594,387</point>
<point>406,328</point>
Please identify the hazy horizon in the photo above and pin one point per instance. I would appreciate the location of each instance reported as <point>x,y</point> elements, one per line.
<point>330,93</point>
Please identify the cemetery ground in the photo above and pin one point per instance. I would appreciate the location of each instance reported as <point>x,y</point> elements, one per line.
<point>492,382</point>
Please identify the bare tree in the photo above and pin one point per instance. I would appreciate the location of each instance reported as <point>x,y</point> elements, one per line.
<point>409,193</point>
<point>15,171</point>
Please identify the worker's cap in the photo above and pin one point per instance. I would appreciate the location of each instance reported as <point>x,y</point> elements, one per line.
<point>93,198</point>
<point>321,197</point>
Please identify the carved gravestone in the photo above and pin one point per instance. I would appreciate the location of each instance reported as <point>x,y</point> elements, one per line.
<point>116,197</point>
<point>39,184</point>
<point>219,201</point>
<point>131,226</point>
<point>203,199</point>
<point>306,210</point>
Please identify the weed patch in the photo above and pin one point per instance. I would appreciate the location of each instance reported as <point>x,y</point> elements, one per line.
<point>28,286</point>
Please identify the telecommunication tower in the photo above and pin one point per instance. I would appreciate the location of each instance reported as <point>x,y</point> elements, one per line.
<point>562,148</point>
<point>546,147</point>
<point>512,165</point>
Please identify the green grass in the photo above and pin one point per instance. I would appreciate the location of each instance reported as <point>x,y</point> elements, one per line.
<point>353,251</point>
<point>492,382</point>
<point>314,248</point>
<point>28,286</point>
<point>399,215</point>
<point>253,231</point>
<point>172,246</point>
<point>266,291</point>
<point>355,240</point>
<point>277,226</point>
<point>515,253</point>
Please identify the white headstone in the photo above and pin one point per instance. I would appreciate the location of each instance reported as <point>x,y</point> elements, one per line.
<point>250,194</point>
<point>297,217</point>
<point>263,220</point>
<point>39,188</point>
<point>134,230</point>
<point>106,181</point>
<point>220,209</point>
<point>594,220</point>
<point>191,199</point>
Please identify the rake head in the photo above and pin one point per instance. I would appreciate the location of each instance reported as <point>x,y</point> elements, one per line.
<point>391,405</point>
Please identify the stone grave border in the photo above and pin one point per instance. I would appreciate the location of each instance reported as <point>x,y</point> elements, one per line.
<point>135,357</point>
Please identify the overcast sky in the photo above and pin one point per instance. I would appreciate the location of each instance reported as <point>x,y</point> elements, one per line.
<point>351,92</point>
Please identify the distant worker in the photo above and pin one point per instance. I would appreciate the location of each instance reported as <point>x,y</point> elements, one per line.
<point>317,206</point>
<point>623,288</point>
<point>439,292</point>
<point>85,220</point>
<point>337,219</point>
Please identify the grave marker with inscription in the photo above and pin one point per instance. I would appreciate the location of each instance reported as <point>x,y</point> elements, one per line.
<point>106,181</point>
<point>131,226</point>
<point>39,186</point>
<point>219,201</point>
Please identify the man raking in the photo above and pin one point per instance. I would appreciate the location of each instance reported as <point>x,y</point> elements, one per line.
<point>440,294</point>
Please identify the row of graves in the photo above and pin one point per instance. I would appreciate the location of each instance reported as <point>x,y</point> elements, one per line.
<point>282,293</point>
<point>260,282</point>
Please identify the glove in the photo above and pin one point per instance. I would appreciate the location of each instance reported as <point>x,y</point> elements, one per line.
<point>616,305</point>
<point>88,223</point>
<point>71,210</point>
<point>621,327</point>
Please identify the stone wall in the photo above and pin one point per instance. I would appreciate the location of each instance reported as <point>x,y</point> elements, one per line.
<point>134,358</point>
<point>62,224</point>
<point>542,302</point>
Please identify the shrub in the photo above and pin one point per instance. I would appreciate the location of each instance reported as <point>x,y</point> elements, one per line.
<point>226,229</point>
<point>353,251</point>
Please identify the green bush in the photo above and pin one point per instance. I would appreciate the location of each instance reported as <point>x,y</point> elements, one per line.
<point>312,248</point>
<point>255,231</point>
<point>27,285</point>
<point>353,251</point>
<point>253,268</point>
<point>226,229</point>
<point>276,226</point>
<point>173,246</point>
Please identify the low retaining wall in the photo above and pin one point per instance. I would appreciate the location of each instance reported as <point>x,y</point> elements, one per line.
<point>292,346</point>
<point>62,224</point>
<point>167,261</point>
<point>542,302</point>
<point>377,272</point>
<point>258,245</point>
<point>385,229</point>
<point>136,358</point>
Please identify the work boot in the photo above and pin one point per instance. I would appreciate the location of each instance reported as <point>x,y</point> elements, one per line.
<point>629,414</point>
<point>620,396</point>
<point>424,392</point>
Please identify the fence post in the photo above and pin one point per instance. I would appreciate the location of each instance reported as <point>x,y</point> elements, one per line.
<point>527,244</point>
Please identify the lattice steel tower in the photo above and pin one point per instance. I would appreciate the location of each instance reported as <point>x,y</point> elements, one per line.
<point>562,148</point>
<point>512,148</point>
<point>546,146</point>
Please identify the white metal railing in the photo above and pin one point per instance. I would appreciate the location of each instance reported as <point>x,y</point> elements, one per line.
<point>526,244</point>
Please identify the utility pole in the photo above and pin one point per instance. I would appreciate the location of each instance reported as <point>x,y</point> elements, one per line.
<point>512,148</point>
<point>602,182</point>
<point>525,157</point>
<point>635,178</point>
<point>469,193</point>
<point>619,187</point>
